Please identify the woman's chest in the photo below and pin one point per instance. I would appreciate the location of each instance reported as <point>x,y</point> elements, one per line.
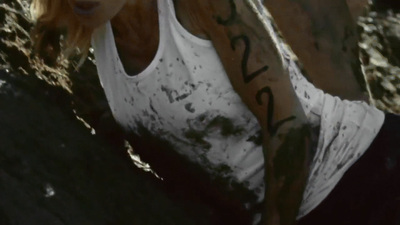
<point>200,118</point>
<point>138,39</point>
<point>179,94</point>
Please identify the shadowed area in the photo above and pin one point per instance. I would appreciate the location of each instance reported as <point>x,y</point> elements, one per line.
<point>54,171</point>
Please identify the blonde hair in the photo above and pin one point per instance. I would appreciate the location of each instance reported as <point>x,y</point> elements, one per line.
<point>57,34</point>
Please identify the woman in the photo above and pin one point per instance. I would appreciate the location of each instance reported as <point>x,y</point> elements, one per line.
<point>202,85</point>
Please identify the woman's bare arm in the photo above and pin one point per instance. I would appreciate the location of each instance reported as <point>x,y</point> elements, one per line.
<point>323,35</point>
<point>256,71</point>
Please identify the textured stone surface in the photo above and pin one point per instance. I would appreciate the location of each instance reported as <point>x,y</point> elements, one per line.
<point>54,171</point>
<point>380,53</point>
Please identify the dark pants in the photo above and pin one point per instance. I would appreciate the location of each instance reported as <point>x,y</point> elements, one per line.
<point>369,192</point>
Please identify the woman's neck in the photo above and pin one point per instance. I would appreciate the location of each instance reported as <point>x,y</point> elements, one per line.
<point>138,17</point>
<point>136,34</point>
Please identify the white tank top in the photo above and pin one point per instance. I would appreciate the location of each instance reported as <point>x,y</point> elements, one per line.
<point>185,98</point>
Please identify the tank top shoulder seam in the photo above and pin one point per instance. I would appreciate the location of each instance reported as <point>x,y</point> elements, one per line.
<point>182,31</point>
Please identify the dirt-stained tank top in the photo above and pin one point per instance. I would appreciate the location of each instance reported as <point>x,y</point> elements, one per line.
<point>185,98</point>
